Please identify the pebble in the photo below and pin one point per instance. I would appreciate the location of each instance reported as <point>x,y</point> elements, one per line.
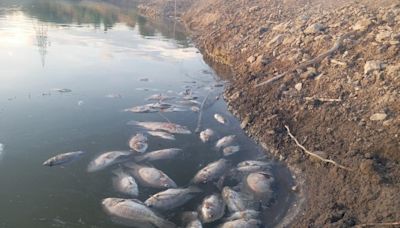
<point>298,86</point>
<point>378,116</point>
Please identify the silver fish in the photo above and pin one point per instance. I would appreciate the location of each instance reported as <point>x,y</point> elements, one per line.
<point>108,159</point>
<point>160,97</point>
<point>212,208</point>
<point>242,223</point>
<point>132,212</point>
<point>165,126</point>
<point>190,219</point>
<point>124,183</point>
<point>234,200</point>
<point>172,198</point>
<point>246,214</point>
<point>228,151</point>
<point>220,118</point>
<point>206,135</point>
<point>159,155</point>
<point>138,143</point>
<point>161,134</point>
<point>225,141</point>
<point>141,109</point>
<point>59,159</point>
<point>150,177</point>
<point>211,172</point>
<point>195,109</point>
<point>260,183</point>
<point>253,166</point>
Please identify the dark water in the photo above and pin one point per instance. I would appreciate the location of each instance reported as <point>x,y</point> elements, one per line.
<point>95,49</point>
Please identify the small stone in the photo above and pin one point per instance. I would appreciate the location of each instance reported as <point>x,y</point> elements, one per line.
<point>314,28</point>
<point>383,35</point>
<point>245,122</point>
<point>298,86</point>
<point>372,66</point>
<point>378,117</point>
<point>251,59</point>
<point>362,25</point>
<point>368,155</point>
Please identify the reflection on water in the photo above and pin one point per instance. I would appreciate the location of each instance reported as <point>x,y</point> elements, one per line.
<point>101,53</point>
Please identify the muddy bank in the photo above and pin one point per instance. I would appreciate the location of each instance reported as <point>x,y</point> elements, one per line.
<point>337,88</point>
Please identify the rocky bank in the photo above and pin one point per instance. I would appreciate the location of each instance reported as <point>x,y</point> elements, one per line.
<point>337,88</point>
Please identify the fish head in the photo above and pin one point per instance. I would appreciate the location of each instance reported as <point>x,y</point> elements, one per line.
<point>110,202</point>
<point>49,163</point>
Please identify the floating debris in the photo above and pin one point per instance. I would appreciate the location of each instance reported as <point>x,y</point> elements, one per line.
<point>159,155</point>
<point>108,159</point>
<point>161,134</point>
<point>165,126</point>
<point>80,103</point>
<point>114,95</point>
<point>132,212</point>
<point>172,198</point>
<point>138,143</point>
<point>220,118</point>
<point>143,79</point>
<point>124,183</point>
<point>62,159</point>
<point>150,177</point>
<point>206,135</point>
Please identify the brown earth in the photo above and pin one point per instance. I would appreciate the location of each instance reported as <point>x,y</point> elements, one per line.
<point>358,128</point>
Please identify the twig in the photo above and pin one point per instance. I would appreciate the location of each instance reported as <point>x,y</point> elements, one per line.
<point>198,128</point>
<point>378,224</point>
<point>323,99</point>
<point>313,154</point>
<point>305,64</point>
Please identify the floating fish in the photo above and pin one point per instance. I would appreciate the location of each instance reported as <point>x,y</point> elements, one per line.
<point>206,135</point>
<point>80,103</point>
<point>230,150</point>
<point>159,97</point>
<point>138,143</point>
<point>220,118</point>
<point>212,171</point>
<point>189,102</point>
<point>225,141</point>
<point>114,95</point>
<point>159,155</point>
<point>1,150</point>
<point>246,214</point>
<point>195,109</point>
<point>172,198</point>
<point>212,208</point>
<point>242,223</point>
<point>150,177</point>
<point>161,134</point>
<point>132,212</point>
<point>190,219</point>
<point>108,159</point>
<point>253,166</point>
<point>62,159</point>
<point>165,126</point>
<point>260,184</point>
<point>141,109</point>
<point>124,183</point>
<point>234,200</point>
<point>61,90</point>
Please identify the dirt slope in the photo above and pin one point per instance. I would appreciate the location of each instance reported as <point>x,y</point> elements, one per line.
<point>339,93</point>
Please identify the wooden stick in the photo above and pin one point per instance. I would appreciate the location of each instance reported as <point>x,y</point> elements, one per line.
<point>379,224</point>
<point>313,154</point>
<point>323,99</point>
<point>198,128</point>
<point>305,64</point>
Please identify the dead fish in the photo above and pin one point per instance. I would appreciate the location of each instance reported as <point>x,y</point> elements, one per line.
<point>80,103</point>
<point>172,198</point>
<point>140,109</point>
<point>113,95</point>
<point>132,212</point>
<point>143,79</point>
<point>150,177</point>
<point>159,97</point>
<point>159,155</point>
<point>124,183</point>
<point>59,159</point>
<point>234,200</point>
<point>260,183</point>
<point>161,134</point>
<point>253,166</point>
<point>195,109</point>
<point>64,90</point>
<point>108,159</point>
<point>220,118</point>
<point>159,105</point>
<point>228,151</point>
<point>212,208</point>
<point>165,126</point>
<point>206,135</point>
<point>246,214</point>
<point>189,102</point>
<point>1,150</point>
<point>190,219</point>
<point>189,97</point>
<point>225,141</point>
<point>138,143</point>
<point>174,109</point>
<point>211,172</point>
<point>242,223</point>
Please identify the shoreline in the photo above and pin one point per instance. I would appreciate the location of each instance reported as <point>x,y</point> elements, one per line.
<point>342,107</point>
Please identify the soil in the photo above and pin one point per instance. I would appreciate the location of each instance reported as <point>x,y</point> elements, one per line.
<point>343,106</point>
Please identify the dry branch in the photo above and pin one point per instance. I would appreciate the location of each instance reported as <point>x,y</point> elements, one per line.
<point>313,154</point>
<point>378,224</point>
<point>315,60</point>
<point>198,128</point>
<point>323,99</point>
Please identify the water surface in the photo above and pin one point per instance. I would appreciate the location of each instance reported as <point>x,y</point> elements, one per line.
<point>95,49</point>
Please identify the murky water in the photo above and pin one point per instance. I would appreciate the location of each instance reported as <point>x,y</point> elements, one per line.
<point>102,52</point>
